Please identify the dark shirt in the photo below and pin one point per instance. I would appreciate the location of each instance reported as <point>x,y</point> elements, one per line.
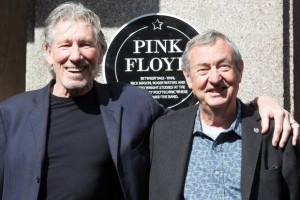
<point>78,163</point>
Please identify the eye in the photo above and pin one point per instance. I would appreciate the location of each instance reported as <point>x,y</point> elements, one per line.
<point>224,67</point>
<point>64,46</point>
<point>87,45</point>
<point>202,70</point>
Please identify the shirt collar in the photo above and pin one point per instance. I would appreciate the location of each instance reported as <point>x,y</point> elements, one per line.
<point>236,125</point>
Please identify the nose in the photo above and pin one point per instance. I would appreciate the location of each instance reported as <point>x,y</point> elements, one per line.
<point>214,76</point>
<point>75,54</point>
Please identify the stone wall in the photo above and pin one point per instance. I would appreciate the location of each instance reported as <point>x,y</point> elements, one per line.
<point>261,30</point>
<point>12,47</point>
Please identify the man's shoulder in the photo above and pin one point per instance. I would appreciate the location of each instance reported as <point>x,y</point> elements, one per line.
<point>22,99</point>
<point>135,100</point>
<point>248,112</point>
<point>183,113</point>
<point>117,89</point>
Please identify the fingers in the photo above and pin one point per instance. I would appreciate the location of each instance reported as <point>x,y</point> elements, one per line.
<point>281,125</point>
<point>295,127</point>
<point>270,109</point>
<point>286,132</point>
<point>283,122</point>
<point>265,124</point>
<point>290,126</point>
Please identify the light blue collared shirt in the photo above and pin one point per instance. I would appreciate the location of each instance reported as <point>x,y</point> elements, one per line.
<point>214,168</point>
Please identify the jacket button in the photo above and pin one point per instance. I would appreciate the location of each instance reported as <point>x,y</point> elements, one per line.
<point>38,179</point>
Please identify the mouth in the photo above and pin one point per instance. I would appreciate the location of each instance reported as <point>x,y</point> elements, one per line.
<point>217,90</point>
<point>76,69</point>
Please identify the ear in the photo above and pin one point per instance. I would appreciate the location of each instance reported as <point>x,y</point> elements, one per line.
<point>100,55</point>
<point>188,78</point>
<point>100,59</point>
<point>48,52</point>
<point>240,70</point>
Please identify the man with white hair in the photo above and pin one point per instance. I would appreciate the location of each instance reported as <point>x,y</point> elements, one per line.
<point>77,138</point>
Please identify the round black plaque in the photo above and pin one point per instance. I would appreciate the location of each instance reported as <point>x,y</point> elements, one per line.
<point>146,52</point>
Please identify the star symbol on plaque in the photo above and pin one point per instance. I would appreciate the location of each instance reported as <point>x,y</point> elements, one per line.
<point>157,24</point>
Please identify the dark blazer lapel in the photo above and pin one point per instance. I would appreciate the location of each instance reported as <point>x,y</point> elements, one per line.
<point>111,112</point>
<point>39,119</point>
<point>111,115</point>
<point>251,144</point>
<point>182,138</point>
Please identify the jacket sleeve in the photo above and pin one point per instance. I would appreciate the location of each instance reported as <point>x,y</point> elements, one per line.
<point>156,108</point>
<point>291,170</point>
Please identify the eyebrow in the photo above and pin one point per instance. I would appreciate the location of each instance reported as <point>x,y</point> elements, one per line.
<point>207,64</point>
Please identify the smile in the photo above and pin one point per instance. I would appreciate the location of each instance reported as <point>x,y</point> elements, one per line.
<point>219,90</point>
<point>75,69</point>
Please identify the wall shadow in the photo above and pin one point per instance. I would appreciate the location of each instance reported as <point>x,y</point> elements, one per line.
<point>112,13</point>
<point>286,55</point>
<point>12,48</point>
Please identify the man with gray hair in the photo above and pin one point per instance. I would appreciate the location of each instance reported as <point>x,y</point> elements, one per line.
<point>76,138</point>
<point>214,150</point>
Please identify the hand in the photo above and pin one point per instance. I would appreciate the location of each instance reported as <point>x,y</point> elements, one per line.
<point>289,124</point>
<point>284,122</point>
<point>295,126</point>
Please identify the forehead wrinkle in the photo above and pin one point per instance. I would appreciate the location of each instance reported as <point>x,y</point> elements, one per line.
<point>221,60</point>
<point>214,56</point>
<point>68,33</point>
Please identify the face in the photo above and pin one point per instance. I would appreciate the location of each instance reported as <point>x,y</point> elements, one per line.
<point>75,57</point>
<point>213,77</point>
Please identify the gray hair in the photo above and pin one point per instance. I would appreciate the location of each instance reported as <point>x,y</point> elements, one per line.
<point>73,11</point>
<point>209,38</point>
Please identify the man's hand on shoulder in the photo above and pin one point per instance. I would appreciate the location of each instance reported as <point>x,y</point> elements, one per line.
<point>285,124</point>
